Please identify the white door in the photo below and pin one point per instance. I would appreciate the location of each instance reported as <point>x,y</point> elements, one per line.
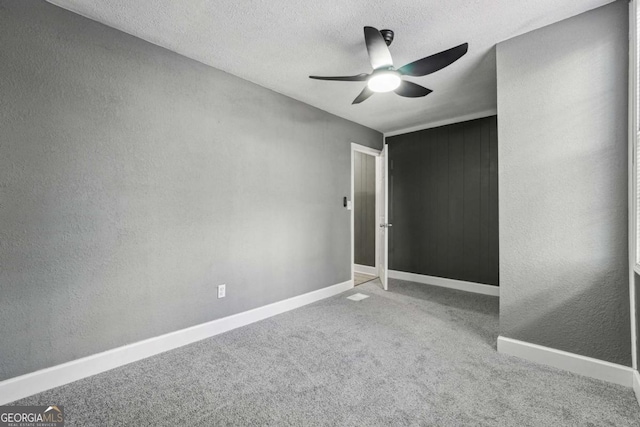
<point>384,226</point>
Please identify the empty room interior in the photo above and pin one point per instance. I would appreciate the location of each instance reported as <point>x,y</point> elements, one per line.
<point>341,213</point>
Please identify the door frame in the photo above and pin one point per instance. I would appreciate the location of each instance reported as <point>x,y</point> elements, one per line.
<point>632,175</point>
<point>379,187</point>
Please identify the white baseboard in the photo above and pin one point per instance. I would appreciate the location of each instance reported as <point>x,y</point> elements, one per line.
<point>636,385</point>
<point>587,366</point>
<point>461,285</point>
<point>55,376</point>
<point>365,269</point>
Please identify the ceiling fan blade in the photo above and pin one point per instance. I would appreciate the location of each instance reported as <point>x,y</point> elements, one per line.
<point>366,93</point>
<point>436,62</point>
<point>412,90</point>
<point>379,54</point>
<point>359,78</point>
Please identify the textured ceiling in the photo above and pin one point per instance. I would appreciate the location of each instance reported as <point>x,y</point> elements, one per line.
<point>277,44</point>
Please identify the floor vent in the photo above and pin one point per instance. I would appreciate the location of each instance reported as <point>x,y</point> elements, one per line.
<point>358,297</point>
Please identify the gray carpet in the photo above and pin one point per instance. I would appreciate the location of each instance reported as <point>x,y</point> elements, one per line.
<point>417,355</point>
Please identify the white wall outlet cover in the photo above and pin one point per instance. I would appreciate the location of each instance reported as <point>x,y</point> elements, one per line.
<point>358,297</point>
<point>222,291</point>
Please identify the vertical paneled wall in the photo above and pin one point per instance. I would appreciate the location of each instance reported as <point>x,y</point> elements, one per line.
<point>365,209</point>
<point>444,201</point>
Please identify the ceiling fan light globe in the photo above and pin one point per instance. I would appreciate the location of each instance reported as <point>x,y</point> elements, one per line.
<point>384,81</point>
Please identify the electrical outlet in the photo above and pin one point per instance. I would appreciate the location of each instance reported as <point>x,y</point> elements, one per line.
<point>222,291</point>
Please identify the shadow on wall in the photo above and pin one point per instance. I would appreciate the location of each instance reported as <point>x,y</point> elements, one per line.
<point>486,66</point>
<point>562,102</point>
<point>568,321</point>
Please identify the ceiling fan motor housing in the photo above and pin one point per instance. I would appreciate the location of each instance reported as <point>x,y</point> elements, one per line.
<point>386,78</point>
<point>387,35</point>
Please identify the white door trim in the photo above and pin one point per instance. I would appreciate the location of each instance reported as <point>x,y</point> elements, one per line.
<point>383,269</point>
<point>372,152</point>
<point>632,175</point>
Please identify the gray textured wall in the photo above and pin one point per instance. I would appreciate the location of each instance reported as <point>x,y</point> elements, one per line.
<point>562,109</point>
<point>364,213</point>
<point>443,197</point>
<point>133,181</point>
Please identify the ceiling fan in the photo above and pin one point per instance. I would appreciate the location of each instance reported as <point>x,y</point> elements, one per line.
<point>386,78</point>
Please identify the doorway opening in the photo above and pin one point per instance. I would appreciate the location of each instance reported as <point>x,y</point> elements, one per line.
<point>368,212</point>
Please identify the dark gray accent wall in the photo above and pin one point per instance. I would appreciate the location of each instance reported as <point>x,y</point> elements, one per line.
<point>562,104</point>
<point>444,201</point>
<point>133,181</point>
<point>364,214</point>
